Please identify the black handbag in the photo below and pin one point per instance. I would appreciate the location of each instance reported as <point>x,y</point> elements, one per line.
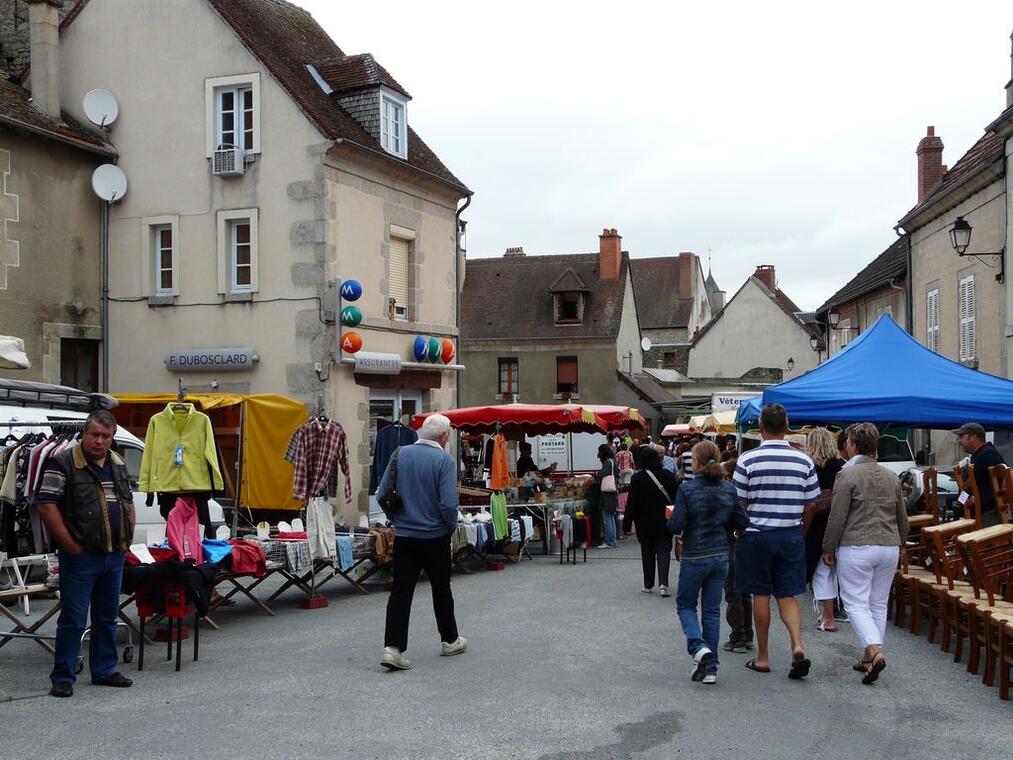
<point>390,502</point>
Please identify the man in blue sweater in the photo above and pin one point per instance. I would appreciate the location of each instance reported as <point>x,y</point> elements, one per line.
<point>426,481</point>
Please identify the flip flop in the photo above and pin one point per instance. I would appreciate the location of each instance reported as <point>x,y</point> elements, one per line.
<point>756,668</point>
<point>799,666</point>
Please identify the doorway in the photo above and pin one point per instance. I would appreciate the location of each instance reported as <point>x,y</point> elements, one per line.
<point>386,406</point>
<point>79,364</point>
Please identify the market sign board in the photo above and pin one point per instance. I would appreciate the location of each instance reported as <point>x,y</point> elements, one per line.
<point>729,402</point>
<point>211,359</point>
<point>373,363</point>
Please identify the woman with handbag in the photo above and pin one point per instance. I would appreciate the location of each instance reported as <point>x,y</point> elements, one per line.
<point>652,489</point>
<point>608,498</point>
<point>821,446</point>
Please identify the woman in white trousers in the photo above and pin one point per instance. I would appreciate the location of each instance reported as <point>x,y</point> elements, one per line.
<point>867,526</point>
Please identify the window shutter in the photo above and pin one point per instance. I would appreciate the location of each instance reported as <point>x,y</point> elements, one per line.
<point>970,318</point>
<point>566,371</point>
<point>965,310</point>
<point>932,320</point>
<point>398,288</point>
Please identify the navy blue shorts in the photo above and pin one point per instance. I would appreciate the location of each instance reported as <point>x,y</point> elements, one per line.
<point>770,563</point>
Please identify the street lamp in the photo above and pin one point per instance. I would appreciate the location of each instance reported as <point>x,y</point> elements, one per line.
<point>833,318</point>
<point>960,239</point>
<point>814,342</point>
<point>791,364</point>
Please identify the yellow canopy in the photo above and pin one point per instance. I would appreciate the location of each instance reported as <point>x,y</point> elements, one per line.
<point>722,422</point>
<point>262,425</point>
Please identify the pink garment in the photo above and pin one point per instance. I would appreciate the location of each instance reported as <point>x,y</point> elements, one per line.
<point>625,460</point>
<point>183,529</point>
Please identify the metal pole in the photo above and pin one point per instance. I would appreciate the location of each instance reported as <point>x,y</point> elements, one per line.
<point>104,305</point>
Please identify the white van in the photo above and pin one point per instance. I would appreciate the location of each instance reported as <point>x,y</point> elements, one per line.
<point>150,526</point>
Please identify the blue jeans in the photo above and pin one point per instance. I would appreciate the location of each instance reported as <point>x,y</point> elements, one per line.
<point>704,578</point>
<point>89,578</point>
<point>609,521</point>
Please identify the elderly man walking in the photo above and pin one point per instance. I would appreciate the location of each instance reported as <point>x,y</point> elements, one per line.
<point>423,476</point>
<point>774,483</point>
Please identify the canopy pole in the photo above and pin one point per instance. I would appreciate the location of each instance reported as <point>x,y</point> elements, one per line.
<point>569,450</point>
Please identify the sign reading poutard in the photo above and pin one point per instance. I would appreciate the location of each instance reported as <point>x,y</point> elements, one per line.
<point>211,360</point>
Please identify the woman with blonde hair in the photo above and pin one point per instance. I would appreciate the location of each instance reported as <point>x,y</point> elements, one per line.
<point>821,446</point>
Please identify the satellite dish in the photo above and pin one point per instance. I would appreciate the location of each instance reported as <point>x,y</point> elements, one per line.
<point>101,108</point>
<point>646,344</point>
<point>109,182</point>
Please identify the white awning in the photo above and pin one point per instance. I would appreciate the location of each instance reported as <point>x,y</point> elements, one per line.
<point>12,353</point>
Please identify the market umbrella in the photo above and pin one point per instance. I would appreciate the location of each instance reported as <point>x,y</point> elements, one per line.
<point>12,353</point>
<point>533,419</point>
<point>617,417</point>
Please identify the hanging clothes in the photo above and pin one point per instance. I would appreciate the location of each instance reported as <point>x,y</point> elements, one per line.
<point>316,450</point>
<point>387,440</point>
<point>320,528</point>
<point>179,452</point>
<point>498,508</point>
<point>500,468</point>
<point>183,531</point>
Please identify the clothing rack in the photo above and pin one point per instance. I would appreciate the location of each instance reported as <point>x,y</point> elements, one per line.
<point>56,426</point>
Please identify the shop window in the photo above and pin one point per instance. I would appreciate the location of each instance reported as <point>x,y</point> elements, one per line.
<point>509,377</point>
<point>233,112</point>
<point>566,375</point>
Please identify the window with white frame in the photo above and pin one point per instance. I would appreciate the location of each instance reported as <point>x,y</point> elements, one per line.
<point>237,252</point>
<point>932,320</point>
<point>965,310</point>
<point>160,252</point>
<point>164,269</point>
<point>233,112</point>
<point>393,124</point>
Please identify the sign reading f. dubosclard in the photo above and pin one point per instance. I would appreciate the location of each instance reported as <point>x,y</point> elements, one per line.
<point>211,359</point>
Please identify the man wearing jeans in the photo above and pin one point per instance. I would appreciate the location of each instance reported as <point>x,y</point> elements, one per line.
<point>774,483</point>
<point>84,499</point>
<point>424,476</point>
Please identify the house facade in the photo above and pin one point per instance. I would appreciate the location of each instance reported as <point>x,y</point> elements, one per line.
<point>265,169</point>
<point>546,329</point>
<point>50,221</point>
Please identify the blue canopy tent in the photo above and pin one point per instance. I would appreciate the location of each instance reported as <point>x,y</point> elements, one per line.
<point>749,412</point>
<point>886,376</point>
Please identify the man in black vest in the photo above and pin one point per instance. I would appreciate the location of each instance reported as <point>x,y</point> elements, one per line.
<point>84,499</point>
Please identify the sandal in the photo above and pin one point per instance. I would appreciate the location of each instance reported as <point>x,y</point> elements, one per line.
<point>822,626</point>
<point>876,666</point>
<point>859,667</point>
<point>800,665</point>
<point>756,668</point>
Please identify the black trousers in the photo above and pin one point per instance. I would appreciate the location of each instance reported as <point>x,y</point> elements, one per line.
<point>656,552</point>
<point>739,610</point>
<point>411,556</point>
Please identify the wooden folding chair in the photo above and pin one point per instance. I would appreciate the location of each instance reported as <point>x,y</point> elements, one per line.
<point>930,495</point>
<point>944,595</point>
<point>1002,486</point>
<point>966,482</point>
<point>990,558</point>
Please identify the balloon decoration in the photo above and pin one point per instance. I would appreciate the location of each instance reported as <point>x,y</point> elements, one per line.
<point>351,290</point>
<point>434,350</point>
<point>351,342</point>
<point>420,349</point>
<point>351,316</point>
<point>447,354</point>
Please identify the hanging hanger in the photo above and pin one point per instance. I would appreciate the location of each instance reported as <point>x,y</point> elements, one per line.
<point>181,402</point>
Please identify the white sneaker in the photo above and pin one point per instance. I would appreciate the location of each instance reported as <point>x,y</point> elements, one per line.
<point>665,591</point>
<point>602,546</point>
<point>648,590</point>
<point>394,659</point>
<point>454,647</point>
<point>701,660</point>
<point>710,678</point>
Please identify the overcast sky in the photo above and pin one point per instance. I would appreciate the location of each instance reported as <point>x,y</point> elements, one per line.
<point>766,133</point>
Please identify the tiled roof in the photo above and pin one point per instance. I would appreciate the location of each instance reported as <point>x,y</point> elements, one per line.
<point>989,148</point>
<point>357,72</point>
<point>503,297</point>
<point>647,387</point>
<point>670,376</point>
<point>568,282</point>
<point>890,265</point>
<point>285,38</point>
<point>16,111</point>
<point>656,285</point>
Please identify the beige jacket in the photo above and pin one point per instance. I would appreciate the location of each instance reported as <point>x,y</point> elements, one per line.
<point>867,508</point>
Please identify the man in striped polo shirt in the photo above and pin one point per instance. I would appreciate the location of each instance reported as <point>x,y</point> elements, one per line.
<point>774,483</point>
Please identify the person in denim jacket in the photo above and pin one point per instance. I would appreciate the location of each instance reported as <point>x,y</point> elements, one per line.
<point>706,509</point>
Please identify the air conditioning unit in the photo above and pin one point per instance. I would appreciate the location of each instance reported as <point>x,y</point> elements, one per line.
<point>228,161</point>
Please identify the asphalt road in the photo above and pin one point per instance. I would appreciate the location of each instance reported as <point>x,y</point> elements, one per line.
<point>564,663</point>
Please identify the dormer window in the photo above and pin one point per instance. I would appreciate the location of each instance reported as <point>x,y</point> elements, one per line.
<point>393,124</point>
<point>569,308</point>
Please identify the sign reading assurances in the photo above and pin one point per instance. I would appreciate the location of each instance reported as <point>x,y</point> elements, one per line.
<point>373,363</point>
<point>728,402</point>
<point>211,359</point>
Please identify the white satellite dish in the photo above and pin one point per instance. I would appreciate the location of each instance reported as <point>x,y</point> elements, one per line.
<point>646,344</point>
<point>109,182</point>
<point>101,108</point>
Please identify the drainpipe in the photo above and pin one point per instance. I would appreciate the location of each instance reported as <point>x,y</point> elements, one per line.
<point>457,289</point>
<point>104,304</point>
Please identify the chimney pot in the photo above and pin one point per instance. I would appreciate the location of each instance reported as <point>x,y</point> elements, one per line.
<point>44,52</point>
<point>609,254</point>
<point>931,132</point>
<point>766,274</point>
<point>515,251</point>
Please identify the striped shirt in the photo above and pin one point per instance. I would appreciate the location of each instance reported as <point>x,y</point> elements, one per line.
<point>687,464</point>
<point>774,482</point>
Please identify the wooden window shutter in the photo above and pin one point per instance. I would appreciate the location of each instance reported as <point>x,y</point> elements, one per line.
<point>398,287</point>
<point>566,371</point>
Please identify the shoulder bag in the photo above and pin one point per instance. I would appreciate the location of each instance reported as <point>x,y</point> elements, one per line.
<point>608,483</point>
<point>390,502</point>
<point>661,488</point>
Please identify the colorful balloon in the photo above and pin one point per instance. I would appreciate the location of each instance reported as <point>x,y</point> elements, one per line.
<point>420,349</point>
<point>351,342</point>
<point>447,354</point>
<point>351,290</point>
<point>351,316</point>
<point>434,350</point>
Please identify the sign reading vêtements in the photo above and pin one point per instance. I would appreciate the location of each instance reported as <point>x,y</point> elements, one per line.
<point>211,360</point>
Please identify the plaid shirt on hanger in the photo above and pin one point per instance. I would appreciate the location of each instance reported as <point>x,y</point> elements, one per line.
<point>316,449</point>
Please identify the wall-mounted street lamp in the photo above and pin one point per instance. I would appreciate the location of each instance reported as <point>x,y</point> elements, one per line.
<point>816,344</point>
<point>960,239</point>
<point>833,318</point>
<point>791,364</point>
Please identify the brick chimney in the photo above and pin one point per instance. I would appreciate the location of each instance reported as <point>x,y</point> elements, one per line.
<point>515,251</point>
<point>930,163</point>
<point>609,254</point>
<point>765,273</point>
<point>44,43</point>
<point>686,274</point>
